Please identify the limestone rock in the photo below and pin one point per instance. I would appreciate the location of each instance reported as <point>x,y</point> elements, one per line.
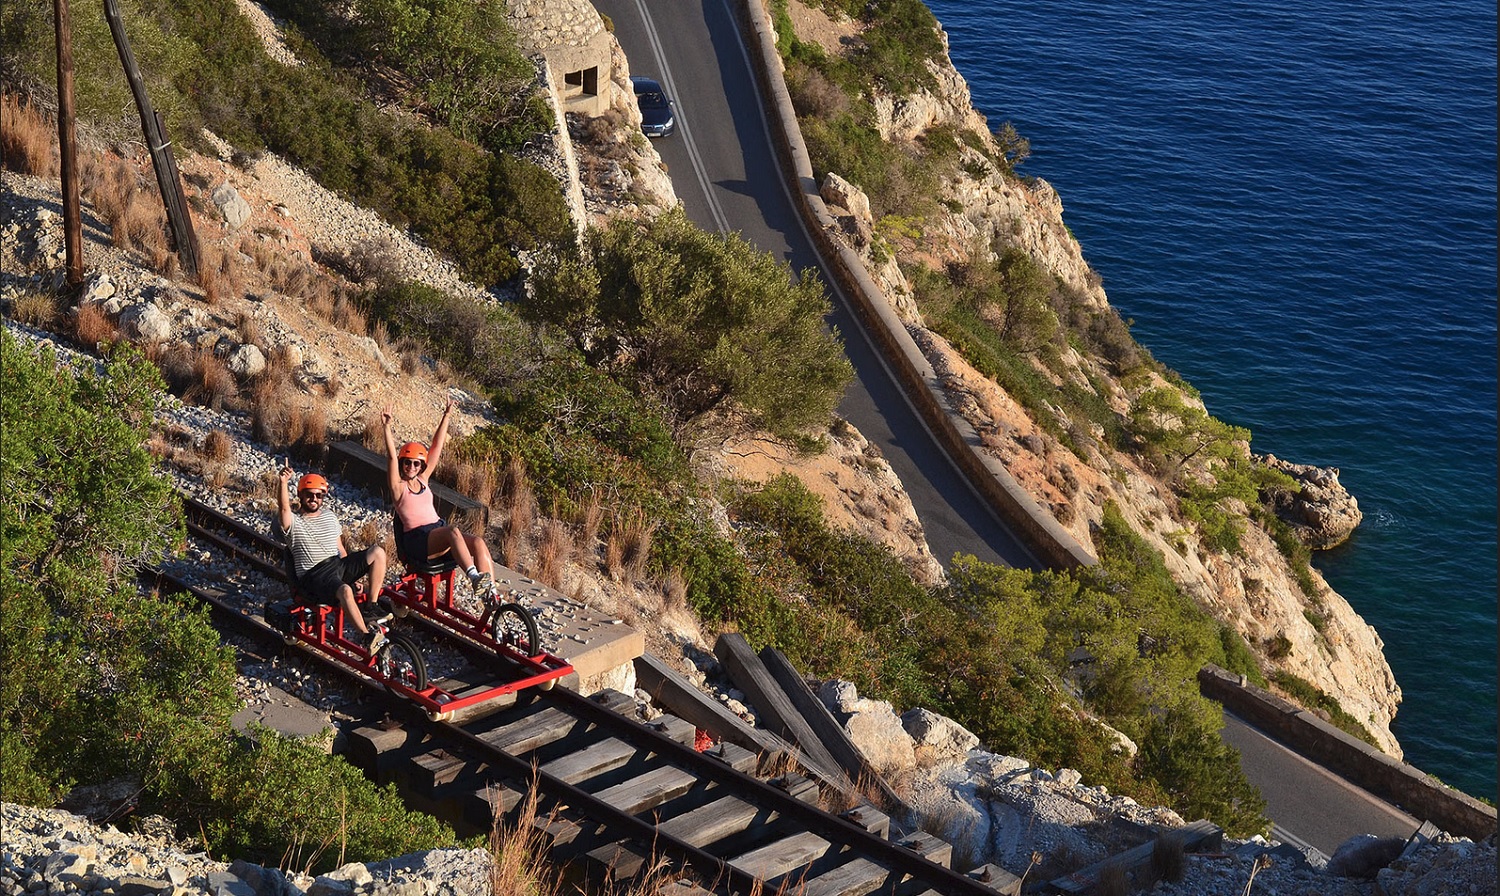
<point>941,736</point>
<point>146,321</point>
<point>247,361</point>
<point>1323,513</point>
<point>231,205</point>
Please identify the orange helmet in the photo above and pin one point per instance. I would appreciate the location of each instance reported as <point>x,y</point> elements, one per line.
<point>312,482</point>
<point>413,451</point>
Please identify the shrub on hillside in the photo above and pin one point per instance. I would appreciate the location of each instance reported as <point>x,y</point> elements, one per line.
<point>699,322</point>
<point>479,339</point>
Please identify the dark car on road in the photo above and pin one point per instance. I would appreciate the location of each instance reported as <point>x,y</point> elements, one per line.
<point>658,118</point>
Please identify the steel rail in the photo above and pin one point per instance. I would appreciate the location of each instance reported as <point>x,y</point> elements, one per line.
<point>703,864</point>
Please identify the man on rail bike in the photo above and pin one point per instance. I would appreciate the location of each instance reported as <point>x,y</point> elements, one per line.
<point>425,534</point>
<point>324,570</point>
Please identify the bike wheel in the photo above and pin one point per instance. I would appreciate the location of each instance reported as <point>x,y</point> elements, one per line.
<point>512,626</point>
<point>399,661</point>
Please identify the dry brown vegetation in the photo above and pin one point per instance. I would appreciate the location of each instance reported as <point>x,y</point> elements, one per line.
<point>28,140</point>
<point>92,326</point>
<point>34,307</point>
<point>209,381</point>
<point>554,553</point>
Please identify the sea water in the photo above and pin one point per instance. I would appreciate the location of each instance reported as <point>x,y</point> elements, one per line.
<point>1294,204</point>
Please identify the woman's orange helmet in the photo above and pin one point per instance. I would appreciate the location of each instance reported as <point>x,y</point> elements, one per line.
<point>312,482</point>
<point>413,451</point>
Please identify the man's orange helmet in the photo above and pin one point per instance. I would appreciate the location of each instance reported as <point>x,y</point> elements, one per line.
<point>312,482</point>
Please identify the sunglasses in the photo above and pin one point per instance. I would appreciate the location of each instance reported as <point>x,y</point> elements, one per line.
<point>307,496</point>
<point>411,463</point>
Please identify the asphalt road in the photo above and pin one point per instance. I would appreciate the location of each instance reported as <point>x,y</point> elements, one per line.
<point>1310,805</point>
<point>723,168</point>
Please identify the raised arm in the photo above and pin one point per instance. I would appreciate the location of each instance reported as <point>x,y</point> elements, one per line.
<point>392,465</point>
<point>284,514</point>
<point>439,436</point>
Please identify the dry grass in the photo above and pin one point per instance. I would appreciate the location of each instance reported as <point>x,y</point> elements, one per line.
<point>474,477</point>
<point>1168,859</point>
<point>517,850</point>
<point>28,140</point>
<point>674,592</point>
<point>554,553</point>
<point>636,543</point>
<point>373,435</point>
<point>371,533</point>
<point>142,225</point>
<point>108,182</point>
<point>247,330</point>
<point>512,548</point>
<point>217,446</point>
<point>588,517</point>
<point>35,307</point>
<point>279,367</point>
<point>92,326</point>
<point>258,250</point>
<point>271,412</point>
<point>307,426</point>
<point>347,313</point>
<point>614,555</point>
<point>1112,881</point>
<point>519,497</point>
<point>211,383</point>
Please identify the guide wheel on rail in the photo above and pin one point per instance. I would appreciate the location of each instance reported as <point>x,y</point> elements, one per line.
<point>400,662</point>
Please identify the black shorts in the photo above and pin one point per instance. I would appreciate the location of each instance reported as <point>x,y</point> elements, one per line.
<point>414,543</point>
<point>321,583</point>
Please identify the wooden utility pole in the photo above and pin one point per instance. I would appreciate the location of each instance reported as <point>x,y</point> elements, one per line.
<point>67,142</point>
<point>167,178</point>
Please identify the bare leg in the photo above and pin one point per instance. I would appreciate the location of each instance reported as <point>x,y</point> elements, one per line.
<point>375,556</point>
<point>440,541</point>
<point>481,553</point>
<point>351,609</point>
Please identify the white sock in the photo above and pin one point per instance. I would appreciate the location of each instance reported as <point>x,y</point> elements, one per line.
<point>473,572</point>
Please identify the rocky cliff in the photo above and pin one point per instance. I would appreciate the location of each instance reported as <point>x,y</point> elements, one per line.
<point>1316,636</point>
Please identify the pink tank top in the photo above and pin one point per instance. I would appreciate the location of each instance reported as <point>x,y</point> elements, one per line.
<point>415,508</point>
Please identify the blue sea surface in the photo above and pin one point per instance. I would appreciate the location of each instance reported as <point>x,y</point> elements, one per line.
<point>1295,205</point>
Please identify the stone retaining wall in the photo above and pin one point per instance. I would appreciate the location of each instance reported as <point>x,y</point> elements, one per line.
<point>1390,779</point>
<point>1048,541</point>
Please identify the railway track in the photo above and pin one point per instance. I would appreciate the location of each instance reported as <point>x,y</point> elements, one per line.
<point>616,797</point>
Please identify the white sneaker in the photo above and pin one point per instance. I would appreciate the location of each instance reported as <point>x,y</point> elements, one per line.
<point>483,584</point>
<point>377,639</point>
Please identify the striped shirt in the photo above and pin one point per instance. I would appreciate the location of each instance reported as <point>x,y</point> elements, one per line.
<point>314,537</point>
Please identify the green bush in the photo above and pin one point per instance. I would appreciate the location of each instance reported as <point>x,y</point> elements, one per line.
<point>700,323</point>
<point>479,339</point>
<point>573,398</point>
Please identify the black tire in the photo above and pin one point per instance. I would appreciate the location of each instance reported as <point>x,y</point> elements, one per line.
<point>513,626</point>
<point>400,662</point>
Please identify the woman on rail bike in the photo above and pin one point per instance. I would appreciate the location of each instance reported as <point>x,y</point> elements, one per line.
<point>425,534</point>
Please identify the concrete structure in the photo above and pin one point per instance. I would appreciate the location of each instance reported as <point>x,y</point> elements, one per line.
<point>571,36</point>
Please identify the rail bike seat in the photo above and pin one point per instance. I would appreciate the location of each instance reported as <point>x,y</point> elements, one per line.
<point>430,571</point>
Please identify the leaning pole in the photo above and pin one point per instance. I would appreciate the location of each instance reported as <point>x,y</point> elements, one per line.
<point>67,143</point>
<point>167,177</point>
